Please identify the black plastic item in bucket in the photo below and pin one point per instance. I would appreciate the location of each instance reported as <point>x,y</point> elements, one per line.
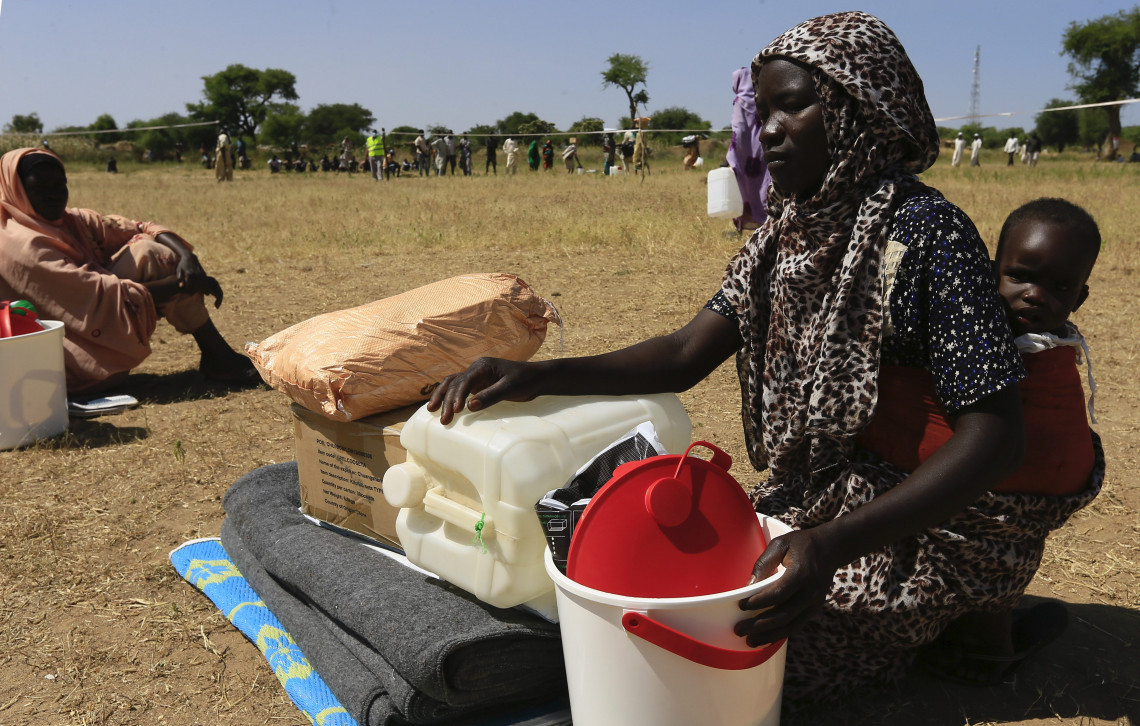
<point>559,510</point>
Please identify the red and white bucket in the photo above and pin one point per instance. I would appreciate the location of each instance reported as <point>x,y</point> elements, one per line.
<point>666,660</point>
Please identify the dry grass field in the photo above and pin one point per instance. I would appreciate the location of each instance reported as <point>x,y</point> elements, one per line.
<point>97,628</point>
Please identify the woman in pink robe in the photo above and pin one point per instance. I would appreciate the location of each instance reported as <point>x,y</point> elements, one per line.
<point>745,155</point>
<point>107,278</point>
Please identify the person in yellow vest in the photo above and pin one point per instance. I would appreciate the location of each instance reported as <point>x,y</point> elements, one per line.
<point>375,146</point>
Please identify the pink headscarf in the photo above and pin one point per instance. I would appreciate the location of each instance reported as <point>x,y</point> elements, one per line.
<point>19,221</point>
<point>14,202</point>
<point>745,155</point>
<point>60,267</point>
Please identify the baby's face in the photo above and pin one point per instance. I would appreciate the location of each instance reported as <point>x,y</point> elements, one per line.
<point>1041,276</point>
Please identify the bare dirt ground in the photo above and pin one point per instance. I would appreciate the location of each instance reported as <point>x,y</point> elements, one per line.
<point>97,628</point>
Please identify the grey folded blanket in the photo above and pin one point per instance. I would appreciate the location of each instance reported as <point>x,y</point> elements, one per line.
<point>373,694</point>
<point>397,644</point>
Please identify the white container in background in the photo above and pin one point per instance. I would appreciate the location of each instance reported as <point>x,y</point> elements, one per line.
<point>33,388</point>
<point>617,676</point>
<point>490,467</point>
<point>725,201</point>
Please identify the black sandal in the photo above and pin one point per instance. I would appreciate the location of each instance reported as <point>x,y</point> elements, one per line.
<point>1033,629</point>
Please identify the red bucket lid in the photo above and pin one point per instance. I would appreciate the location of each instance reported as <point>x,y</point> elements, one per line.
<point>667,526</point>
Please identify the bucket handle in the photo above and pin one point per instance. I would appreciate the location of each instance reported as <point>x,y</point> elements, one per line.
<point>719,459</point>
<point>689,648</point>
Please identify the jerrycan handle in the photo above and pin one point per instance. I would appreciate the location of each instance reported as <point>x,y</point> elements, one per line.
<point>719,459</point>
<point>691,649</point>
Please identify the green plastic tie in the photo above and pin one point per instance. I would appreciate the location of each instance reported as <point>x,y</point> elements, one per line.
<point>478,539</point>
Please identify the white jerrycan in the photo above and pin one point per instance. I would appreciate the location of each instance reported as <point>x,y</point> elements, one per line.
<point>725,201</point>
<point>467,490</point>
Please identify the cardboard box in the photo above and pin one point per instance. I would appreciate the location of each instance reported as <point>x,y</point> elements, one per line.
<point>341,467</point>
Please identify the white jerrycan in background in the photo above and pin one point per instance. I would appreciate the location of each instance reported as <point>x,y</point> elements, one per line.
<point>725,201</point>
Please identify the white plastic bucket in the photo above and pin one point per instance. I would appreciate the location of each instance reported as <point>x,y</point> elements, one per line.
<point>618,677</point>
<point>33,389</point>
<point>725,201</point>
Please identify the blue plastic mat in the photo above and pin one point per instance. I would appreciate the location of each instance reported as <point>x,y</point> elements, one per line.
<point>206,566</point>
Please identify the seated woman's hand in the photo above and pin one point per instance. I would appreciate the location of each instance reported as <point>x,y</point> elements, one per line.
<point>785,605</point>
<point>204,284</point>
<point>487,381</point>
<point>190,272</point>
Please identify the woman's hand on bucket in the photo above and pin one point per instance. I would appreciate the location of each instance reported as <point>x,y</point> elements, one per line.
<point>487,381</point>
<point>789,602</point>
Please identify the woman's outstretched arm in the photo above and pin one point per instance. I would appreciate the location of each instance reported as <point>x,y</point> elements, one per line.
<point>673,362</point>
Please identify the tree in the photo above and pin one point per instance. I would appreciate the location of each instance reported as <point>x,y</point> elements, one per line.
<point>626,72</point>
<point>329,123</point>
<point>162,141</point>
<point>105,122</point>
<point>524,124</point>
<point>588,127</point>
<point>968,131</point>
<point>993,138</point>
<point>511,124</point>
<point>676,117</point>
<point>538,127</point>
<point>240,98</point>
<point>283,127</point>
<point>1105,61</point>
<point>1058,128</point>
<point>25,124</point>
<point>1092,130</point>
<point>482,130</point>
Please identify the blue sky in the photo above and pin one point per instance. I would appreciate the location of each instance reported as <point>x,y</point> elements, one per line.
<point>461,64</point>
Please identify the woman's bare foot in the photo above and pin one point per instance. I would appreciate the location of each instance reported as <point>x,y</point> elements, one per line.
<point>222,364</point>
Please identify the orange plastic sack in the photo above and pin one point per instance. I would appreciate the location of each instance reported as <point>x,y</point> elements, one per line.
<point>391,353</point>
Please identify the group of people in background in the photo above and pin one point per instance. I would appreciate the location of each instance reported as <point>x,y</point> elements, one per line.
<point>442,153</point>
<point>1030,150</point>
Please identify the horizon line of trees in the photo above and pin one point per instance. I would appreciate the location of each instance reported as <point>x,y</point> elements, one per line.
<point>260,105</point>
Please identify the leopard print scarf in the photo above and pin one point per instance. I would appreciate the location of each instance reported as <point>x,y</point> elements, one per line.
<point>807,286</point>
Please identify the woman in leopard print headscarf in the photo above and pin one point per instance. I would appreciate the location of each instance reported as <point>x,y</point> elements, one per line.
<point>870,283</point>
<point>864,298</point>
